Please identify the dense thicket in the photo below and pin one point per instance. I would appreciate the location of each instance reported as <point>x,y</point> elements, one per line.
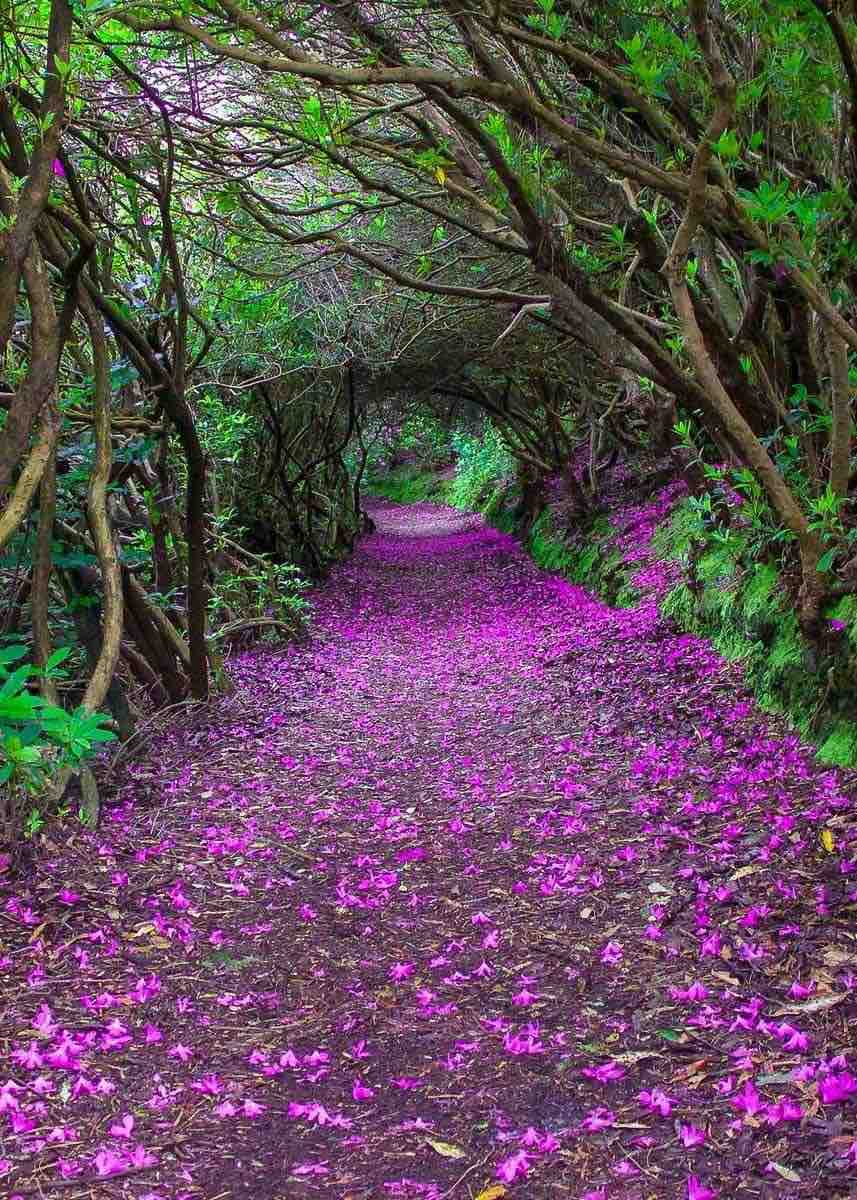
<point>238,241</point>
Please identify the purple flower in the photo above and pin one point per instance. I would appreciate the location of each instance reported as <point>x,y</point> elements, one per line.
<point>605,1073</point>
<point>696,992</point>
<point>124,1127</point>
<point>612,954</point>
<point>107,1163</point>
<point>799,991</point>
<point>747,1100</point>
<point>598,1119</point>
<point>514,1167</point>
<point>656,1101</point>
<point>833,1089</point>
<point>413,854</point>
<point>141,1157</point>
<point>691,1135</point>
<point>696,1190</point>
<point>785,1109</point>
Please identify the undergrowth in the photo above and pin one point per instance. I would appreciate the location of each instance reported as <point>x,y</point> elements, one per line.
<point>484,468</point>
<point>743,608</point>
<point>410,485</point>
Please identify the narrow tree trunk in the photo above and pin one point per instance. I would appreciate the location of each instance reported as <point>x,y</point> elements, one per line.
<point>42,570</point>
<point>101,681</point>
<point>840,411</point>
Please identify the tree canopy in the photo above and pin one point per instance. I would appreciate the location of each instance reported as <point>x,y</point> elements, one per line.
<point>230,236</point>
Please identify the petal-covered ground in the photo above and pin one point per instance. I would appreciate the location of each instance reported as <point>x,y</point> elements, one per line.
<point>489,889</point>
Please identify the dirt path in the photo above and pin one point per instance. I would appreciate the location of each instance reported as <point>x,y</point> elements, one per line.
<point>489,887</point>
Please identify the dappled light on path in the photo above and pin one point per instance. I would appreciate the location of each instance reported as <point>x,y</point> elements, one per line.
<point>489,886</point>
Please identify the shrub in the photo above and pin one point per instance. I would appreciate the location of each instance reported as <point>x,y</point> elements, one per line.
<point>38,741</point>
<point>483,462</point>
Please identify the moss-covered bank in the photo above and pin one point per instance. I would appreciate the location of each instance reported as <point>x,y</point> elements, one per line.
<point>742,606</point>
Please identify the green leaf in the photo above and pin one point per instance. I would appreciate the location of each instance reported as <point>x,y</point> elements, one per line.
<point>10,654</point>
<point>58,657</point>
<point>16,681</point>
<point>726,145</point>
<point>672,1035</point>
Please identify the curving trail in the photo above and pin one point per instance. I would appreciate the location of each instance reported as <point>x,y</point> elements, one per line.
<point>489,886</point>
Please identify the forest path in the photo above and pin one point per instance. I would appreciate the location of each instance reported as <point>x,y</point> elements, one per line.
<point>489,885</point>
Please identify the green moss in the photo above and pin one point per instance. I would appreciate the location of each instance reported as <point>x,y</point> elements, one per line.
<point>494,504</point>
<point>845,609</point>
<point>787,648</point>
<point>679,605</point>
<point>718,563</point>
<point>504,520</point>
<point>673,539</point>
<point>627,596</point>
<point>717,601</point>
<point>840,746</point>
<point>761,591</point>
<point>590,562</point>
<point>742,608</point>
<point>733,645</point>
<point>582,565</point>
<point>549,552</point>
<point>612,578</point>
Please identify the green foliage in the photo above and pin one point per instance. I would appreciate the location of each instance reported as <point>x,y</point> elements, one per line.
<point>586,558</point>
<point>549,552</point>
<point>770,203</point>
<point>547,20</point>
<point>426,436</point>
<point>261,589</point>
<point>38,740</point>
<point>483,462</point>
<point>679,605</point>
<point>761,597</point>
<point>839,748</point>
<point>408,485</point>
<point>223,428</point>
<point>743,608</point>
<point>648,68</point>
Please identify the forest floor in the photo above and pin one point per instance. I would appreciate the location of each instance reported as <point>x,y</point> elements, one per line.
<point>487,889</point>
